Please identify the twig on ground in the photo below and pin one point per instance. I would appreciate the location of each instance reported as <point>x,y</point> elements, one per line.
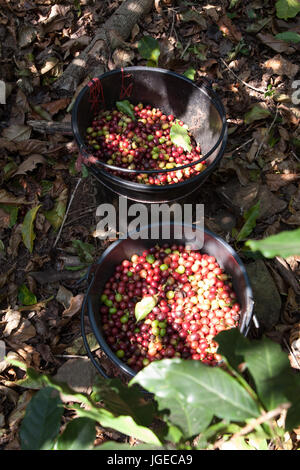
<point>67,211</point>
<point>258,90</point>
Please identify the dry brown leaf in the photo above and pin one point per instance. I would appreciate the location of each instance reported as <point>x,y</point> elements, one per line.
<point>12,319</point>
<point>64,296</point>
<point>55,106</point>
<point>281,66</point>
<point>10,199</point>
<point>25,331</point>
<point>294,219</point>
<point>229,29</point>
<point>212,11</point>
<point>277,181</point>
<point>122,57</point>
<point>75,306</point>
<point>29,164</point>
<point>276,44</point>
<point>17,132</point>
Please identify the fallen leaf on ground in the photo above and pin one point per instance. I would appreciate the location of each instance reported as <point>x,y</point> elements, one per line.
<point>55,106</point>
<point>12,319</point>
<point>276,181</point>
<point>24,332</point>
<point>256,113</point>
<point>29,164</point>
<point>75,306</point>
<point>8,198</point>
<point>28,234</point>
<point>17,132</point>
<point>64,296</point>
<point>229,29</point>
<point>276,44</point>
<point>281,66</point>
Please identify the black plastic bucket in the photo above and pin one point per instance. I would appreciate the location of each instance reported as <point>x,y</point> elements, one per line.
<point>125,248</point>
<point>197,106</point>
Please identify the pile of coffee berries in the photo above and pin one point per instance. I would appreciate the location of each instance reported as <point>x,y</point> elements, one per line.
<point>142,143</point>
<point>193,300</point>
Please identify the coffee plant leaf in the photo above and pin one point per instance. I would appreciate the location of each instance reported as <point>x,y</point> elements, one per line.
<point>149,49</point>
<point>122,400</point>
<point>79,434</point>
<point>194,393</point>
<point>289,36</point>
<point>41,422</point>
<point>284,244</point>
<point>270,369</point>
<point>111,445</point>
<point>124,424</point>
<point>228,343</point>
<point>125,108</point>
<point>144,307</point>
<point>287,8</point>
<point>180,137</point>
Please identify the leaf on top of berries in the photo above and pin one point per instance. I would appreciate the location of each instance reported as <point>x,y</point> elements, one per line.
<point>180,137</point>
<point>145,306</point>
<point>125,107</point>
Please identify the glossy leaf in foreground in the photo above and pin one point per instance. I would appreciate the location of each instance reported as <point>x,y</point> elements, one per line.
<point>79,434</point>
<point>284,244</point>
<point>41,423</point>
<point>194,393</point>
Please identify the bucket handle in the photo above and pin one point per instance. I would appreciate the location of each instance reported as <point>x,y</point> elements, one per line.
<point>83,334</point>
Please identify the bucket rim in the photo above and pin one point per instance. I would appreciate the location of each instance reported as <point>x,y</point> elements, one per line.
<point>207,90</point>
<point>244,327</point>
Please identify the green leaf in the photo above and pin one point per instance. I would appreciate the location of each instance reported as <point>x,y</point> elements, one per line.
<point>122,400</point>
<point>56,215</point>
<point>289,36</point>
<point>268,365</point>
<point>256,113</point>
<point>287,8</point>
<point>80,434</point>
<point>228,342</point>
<point>180,137</point>
<point>284,244</point>
<point>12,211</point>
<point>124,424</point>
<point>125,107</point>
<point>84,250</point>
<point>41,423</point>
<point>194,393</point>
<point>111,445</point>
<point>145,306</point>
<point>27,231</point>
<point>149,49</point>
<point>25,297</point>
<point>250,217</point>
<point>190,73</point>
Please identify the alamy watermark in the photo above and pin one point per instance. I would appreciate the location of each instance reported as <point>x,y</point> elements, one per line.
<point>151,221</point>
<point>296,94</point>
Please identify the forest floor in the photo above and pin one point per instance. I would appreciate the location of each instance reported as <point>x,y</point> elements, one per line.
<point>230,42</point>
